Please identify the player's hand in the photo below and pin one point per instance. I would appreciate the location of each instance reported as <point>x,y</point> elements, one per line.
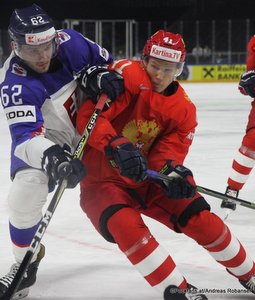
<point>182,185</point>
<point>57,163</point>
<point>97,79</point>
<point>123,154</point>
<point>247,83</point>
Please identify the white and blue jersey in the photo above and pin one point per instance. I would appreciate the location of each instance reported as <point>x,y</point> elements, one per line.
<point>35,103</point>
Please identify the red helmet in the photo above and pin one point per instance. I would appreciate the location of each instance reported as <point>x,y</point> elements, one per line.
<point>165,45</point>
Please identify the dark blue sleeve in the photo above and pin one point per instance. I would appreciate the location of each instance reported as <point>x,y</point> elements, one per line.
<point>80,52</point>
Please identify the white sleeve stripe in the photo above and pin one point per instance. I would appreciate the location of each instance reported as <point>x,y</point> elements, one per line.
<point>152,261</point>
<point>229,252</point>
<point>245,161</point>
<point>238,177</point>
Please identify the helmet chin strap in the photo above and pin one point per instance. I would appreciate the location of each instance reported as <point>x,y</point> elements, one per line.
<point>15,47</point>
<point>180,69</point>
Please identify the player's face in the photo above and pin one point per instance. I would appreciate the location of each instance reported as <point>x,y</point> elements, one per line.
<point>161,73</point>
<point>37,57</point>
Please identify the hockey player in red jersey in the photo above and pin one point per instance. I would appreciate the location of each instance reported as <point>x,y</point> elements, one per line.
<point>244,159</point>
<point>151,125</point>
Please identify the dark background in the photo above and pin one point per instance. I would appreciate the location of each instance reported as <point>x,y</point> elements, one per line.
<point>140,10</point>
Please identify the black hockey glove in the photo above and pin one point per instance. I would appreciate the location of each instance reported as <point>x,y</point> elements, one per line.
<point>182,185</point>
<point>230,204</point>
<point>123,154</point>
<point>247,83</point>
<point>97,79</point>
<point>57,163</point>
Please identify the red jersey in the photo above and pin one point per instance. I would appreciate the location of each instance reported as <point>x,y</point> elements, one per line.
<point>244,160</point>
<point>161,127</point>
<point>250,64</point>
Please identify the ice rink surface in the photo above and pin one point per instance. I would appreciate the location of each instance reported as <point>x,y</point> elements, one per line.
<point>79,264</point>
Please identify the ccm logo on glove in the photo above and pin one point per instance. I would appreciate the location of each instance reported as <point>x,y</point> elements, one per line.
<point>97,79</point>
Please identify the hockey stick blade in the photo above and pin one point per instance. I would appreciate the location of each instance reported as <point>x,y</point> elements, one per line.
<point>53,204</point>
<point>204,190</point>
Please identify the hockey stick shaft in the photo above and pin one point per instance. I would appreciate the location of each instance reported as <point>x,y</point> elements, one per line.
<point>204,190</point>
<point>53,204</point>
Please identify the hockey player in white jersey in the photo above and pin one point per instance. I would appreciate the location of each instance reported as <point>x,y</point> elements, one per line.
<point>40,95</point>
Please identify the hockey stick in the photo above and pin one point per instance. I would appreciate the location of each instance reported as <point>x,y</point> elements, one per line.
<point>204,190</point>
<point>53,204</point>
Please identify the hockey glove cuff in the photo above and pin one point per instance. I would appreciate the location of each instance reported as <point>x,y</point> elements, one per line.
<point>123,154</point>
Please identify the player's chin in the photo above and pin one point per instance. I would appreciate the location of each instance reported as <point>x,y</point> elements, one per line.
<point>42,68</point>
<point>156,87</point>
<point>159,90</point>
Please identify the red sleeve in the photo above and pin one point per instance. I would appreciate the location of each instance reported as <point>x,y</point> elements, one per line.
<point>250,63</point>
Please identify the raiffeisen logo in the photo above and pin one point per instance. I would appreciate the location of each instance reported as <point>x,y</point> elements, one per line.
<point>165,54</point>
